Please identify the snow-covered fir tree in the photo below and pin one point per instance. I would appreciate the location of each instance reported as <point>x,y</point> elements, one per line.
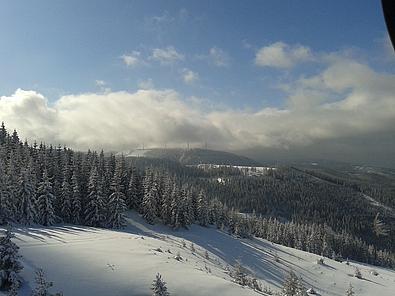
<point>350,291</point>
<point>133,197</point>
<point>239,275</point>
<point>45,201</point>
<point>116,204</point>
<point>166,209</point>
<point>42,285</point>
<point>95,202</point>
<point>202,209</point>
<point>6,209</point>
<point>66,196</point>
<point>159,287</point>
<point>27,198</point>
<point>76,206</point>
<point>10,265</point>
<point>293,286</point>
<point>175,208</point>
<point>15,285</point>
<point>3,133</point>
<point>149,202</point>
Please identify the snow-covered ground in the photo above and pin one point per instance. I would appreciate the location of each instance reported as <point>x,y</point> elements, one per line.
<point>378,204</point>
<point>91,261</point>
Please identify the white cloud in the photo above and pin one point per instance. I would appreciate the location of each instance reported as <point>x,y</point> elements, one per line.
<point>189,76</point>
<point>159,20</point>
<point>328,106</point>
<point>131,59</point>
<point>282,55</point>
<point>146,84</point>
<point>219,57</point>
<point>166,55</point>
<point>100,83</point>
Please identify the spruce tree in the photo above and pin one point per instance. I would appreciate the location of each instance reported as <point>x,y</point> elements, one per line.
<point>15,284</point>
<point>202,209</point>
<point>379,228</point>
<point>239,275</point>
<point>3,192</point>
<point>76,207</point>
<point>116,205</point>
<point>3,134</point>
<point>166,209</point>
<point>148,205</point>
<point>159,287</point>
<point>27,198</point>
<point>45,202</point>
<point>175,208</point>
<point>133,196</point>
<point>66,196</point>
<point>9,261</point>
<point>94,208</point>
<point>350,291</point>
<point>291,285</point>
<point>42,285</point>
<point>9,198</point>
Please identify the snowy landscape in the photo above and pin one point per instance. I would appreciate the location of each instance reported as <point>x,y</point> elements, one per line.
<point>197,148</point>
<point>106,262</point>
<point>77,223</point>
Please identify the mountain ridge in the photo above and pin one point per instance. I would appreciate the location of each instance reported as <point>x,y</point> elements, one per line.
<point>195,156</point>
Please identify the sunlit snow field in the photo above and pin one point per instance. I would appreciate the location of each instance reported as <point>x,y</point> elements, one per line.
<point>92,261</point>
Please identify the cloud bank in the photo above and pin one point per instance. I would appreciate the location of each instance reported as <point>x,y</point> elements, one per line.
<point>347,108</point>
<point>347,100</point>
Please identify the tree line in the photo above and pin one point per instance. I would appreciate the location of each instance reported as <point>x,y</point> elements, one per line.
<point>48,185</point>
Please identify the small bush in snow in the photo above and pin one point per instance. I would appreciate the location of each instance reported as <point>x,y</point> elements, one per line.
<point>320,261</point>
<point>254,284</point>
<point>239,275</point>
<point>357,273</point>
<point>350,291</point>
<point>267,290</point>
<point>159,287</point>
<point>311,291</point>
<point>293,286</point>
<point>42,285</point>
<point>178,257</point>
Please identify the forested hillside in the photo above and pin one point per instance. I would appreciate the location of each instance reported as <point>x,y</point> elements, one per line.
<point>196,156</point>
<point>48,185</point>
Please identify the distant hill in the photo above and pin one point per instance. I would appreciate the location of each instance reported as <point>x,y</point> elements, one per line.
<point>196,156</point>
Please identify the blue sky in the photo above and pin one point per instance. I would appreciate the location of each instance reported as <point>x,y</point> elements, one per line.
<point>302,78</point>
<point>61,47</point>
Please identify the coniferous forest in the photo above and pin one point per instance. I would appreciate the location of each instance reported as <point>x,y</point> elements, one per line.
<point>45,184</point>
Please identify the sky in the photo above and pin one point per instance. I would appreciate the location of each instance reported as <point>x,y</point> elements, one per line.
<point>269,79</point>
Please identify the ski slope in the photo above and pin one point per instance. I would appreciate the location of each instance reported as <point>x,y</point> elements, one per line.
<point>92,261</point>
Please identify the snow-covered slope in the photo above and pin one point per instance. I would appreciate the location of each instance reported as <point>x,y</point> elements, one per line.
<point>91,261</point>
